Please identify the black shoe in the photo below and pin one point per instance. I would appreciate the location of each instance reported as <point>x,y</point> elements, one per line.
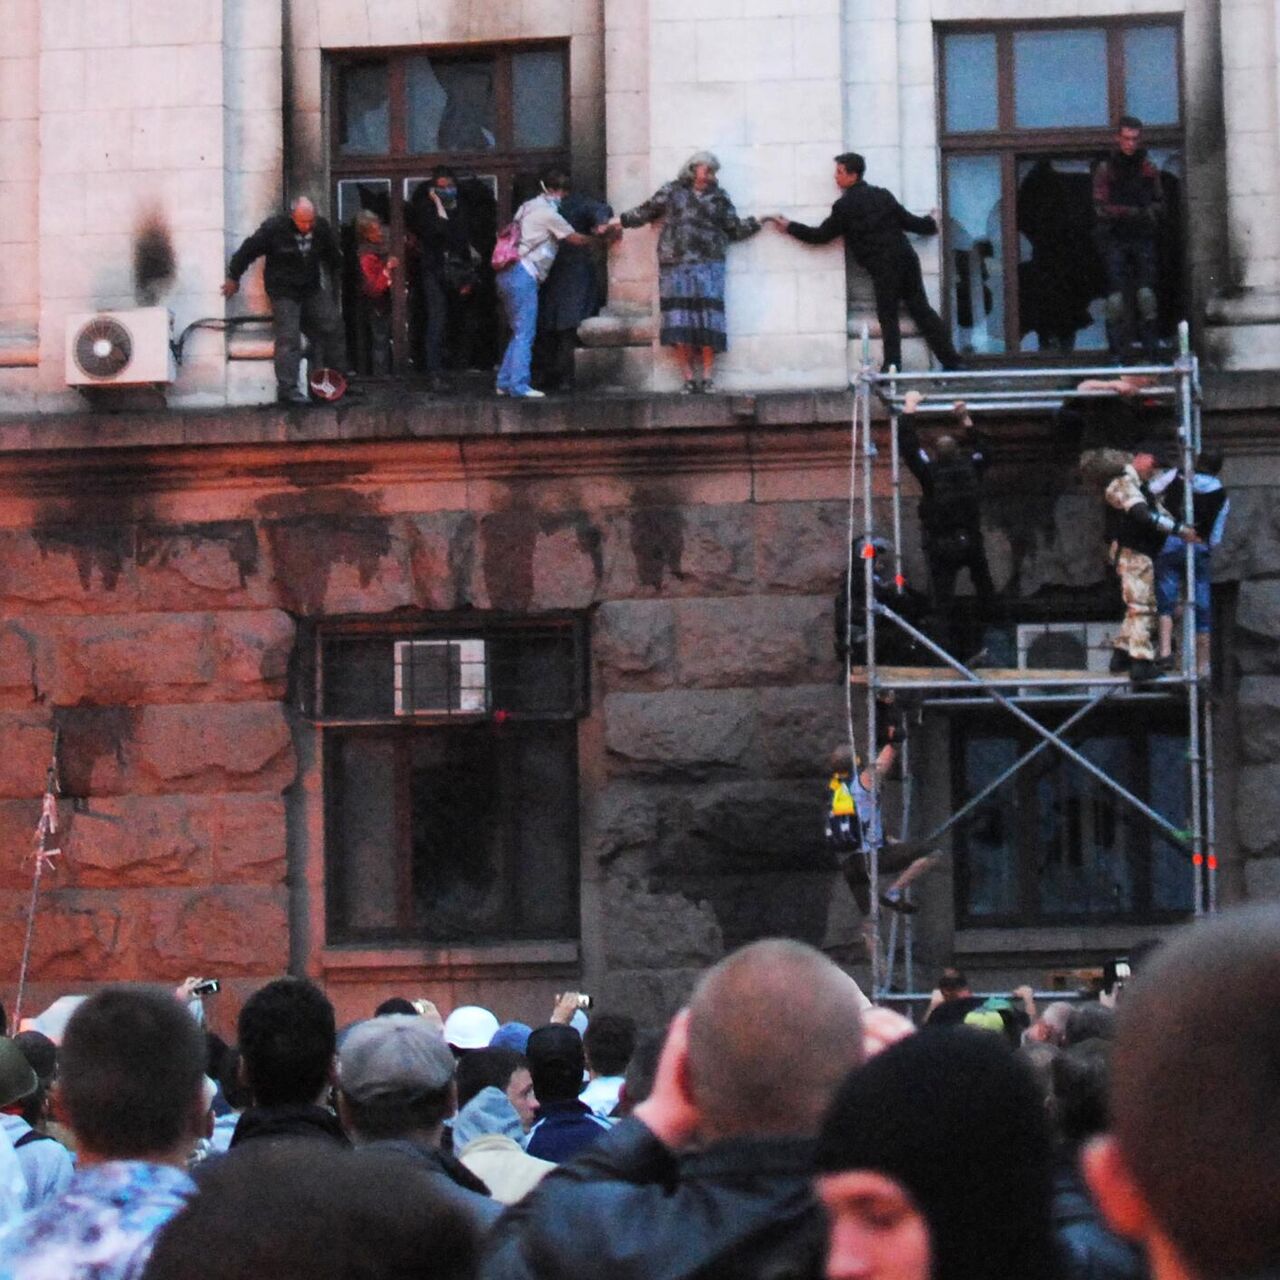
<point>1143,670</point>
<point>891,901</point>
<point>1120,662</point>
<point>1167,663</point>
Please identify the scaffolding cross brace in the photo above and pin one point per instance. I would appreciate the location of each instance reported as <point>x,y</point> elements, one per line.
<point>1034,390</point>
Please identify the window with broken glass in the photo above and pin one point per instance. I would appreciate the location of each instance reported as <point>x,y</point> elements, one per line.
<point>451,781</point>
<point>496,115</point>
<point>1025,113</point>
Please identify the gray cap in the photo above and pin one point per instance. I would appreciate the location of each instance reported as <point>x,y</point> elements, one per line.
<point>397,1054</point>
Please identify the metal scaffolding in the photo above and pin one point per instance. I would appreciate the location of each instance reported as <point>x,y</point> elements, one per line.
<point>1016,391</point>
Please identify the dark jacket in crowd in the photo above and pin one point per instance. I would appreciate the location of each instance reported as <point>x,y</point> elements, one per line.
<point>873,224</point>
<point>572,290</point>
<point>451,1180</point>
<point>437,237</point>
<point>627,1207</point>
<point>1089,1249</point>
<point>293,260</point>
<point>563,1129</point>
<point>288,1122</point>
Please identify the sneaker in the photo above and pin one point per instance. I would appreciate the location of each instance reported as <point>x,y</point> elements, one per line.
<point>708,387</point>
<point>501,391</point>
<point>1143,670</point>
<point>532,393</point>
<point>1120,661</point>
<point>691,387</point>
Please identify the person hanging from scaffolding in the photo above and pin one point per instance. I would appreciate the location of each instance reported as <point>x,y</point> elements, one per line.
<point>1136,529</point>
<point>855,825</point>
<point>950,515</point>
<point>1210,506</point>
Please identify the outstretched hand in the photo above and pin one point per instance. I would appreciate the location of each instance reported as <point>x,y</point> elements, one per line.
<point>911,401</point>
<point>777,220</point>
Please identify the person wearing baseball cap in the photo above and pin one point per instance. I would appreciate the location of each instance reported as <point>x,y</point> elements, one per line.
<point>395,1091</point>
<point>565,1124</point>
<point>469,1026</point>
<point>46,1164</point>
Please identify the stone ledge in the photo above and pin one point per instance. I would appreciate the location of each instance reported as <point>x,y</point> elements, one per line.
<point>399,413</point>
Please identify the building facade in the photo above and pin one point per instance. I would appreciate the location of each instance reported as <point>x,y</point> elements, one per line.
<point>476,699</point>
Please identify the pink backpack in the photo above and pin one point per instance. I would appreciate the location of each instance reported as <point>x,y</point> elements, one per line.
<point>506,252</point>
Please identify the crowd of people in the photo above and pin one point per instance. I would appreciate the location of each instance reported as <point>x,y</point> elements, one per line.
<point>547,282</point>
<point>780,1126</point>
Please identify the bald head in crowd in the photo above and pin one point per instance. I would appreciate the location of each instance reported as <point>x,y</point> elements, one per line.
<point>773,1029</point>
<point>1192,1164</point>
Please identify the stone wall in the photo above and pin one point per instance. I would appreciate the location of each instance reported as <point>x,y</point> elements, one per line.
<point>152,599</point>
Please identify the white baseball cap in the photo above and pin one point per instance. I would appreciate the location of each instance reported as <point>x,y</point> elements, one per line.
<point>470,1027</point>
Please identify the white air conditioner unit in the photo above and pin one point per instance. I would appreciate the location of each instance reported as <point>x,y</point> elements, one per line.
<point>441,677</point>
<point>120,348</point>
<point>1064,646</point>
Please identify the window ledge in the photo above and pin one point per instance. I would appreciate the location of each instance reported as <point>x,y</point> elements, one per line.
<point>360,961</point>
<point>1067,939</point>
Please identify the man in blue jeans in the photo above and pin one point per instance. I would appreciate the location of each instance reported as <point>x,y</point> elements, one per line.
<point>542,231</point>
<point>1210,505</point>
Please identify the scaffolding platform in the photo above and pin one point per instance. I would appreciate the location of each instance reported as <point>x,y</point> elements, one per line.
<point>1016,690</point>
<point>926,678</point>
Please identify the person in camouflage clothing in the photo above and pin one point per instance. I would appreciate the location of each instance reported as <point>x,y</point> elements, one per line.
<point>1136,529</point>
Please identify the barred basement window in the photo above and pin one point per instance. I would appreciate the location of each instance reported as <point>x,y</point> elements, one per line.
<point>451,781</point>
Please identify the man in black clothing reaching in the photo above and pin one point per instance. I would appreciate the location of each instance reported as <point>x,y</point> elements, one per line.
<point>950,509</point>
<point>873,224</point>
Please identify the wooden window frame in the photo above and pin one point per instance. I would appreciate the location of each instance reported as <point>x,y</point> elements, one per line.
<point>504,161</point>
<point>1009,143</point>
<point>400,730</point>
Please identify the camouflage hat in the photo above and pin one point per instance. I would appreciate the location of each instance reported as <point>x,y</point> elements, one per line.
<point>17,1080</point>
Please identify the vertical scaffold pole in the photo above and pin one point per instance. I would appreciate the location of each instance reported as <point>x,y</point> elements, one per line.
<point>1210,823</point>
<point>895,470</point>
<point>1190,672</point>
<point>869,591</point>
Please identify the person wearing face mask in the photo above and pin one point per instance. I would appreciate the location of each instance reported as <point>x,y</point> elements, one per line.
<point>447,262</point>
<point>935,1163</point>
<point>543,229</point>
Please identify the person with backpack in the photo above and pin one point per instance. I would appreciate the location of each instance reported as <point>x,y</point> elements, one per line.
<point>522,259</point>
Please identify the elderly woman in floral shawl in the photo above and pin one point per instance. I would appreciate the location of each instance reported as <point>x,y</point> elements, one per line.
<point>698,223</point>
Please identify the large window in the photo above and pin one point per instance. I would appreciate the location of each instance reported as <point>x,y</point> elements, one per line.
<point>1025,114</point>
<point>451,782</point>
<point>496,115</point>
<point>1053,845</point>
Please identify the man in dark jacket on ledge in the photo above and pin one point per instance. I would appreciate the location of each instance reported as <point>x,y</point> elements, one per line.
<point>711,1175</point>
<point>295,246</point>
<point>873,224</point>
